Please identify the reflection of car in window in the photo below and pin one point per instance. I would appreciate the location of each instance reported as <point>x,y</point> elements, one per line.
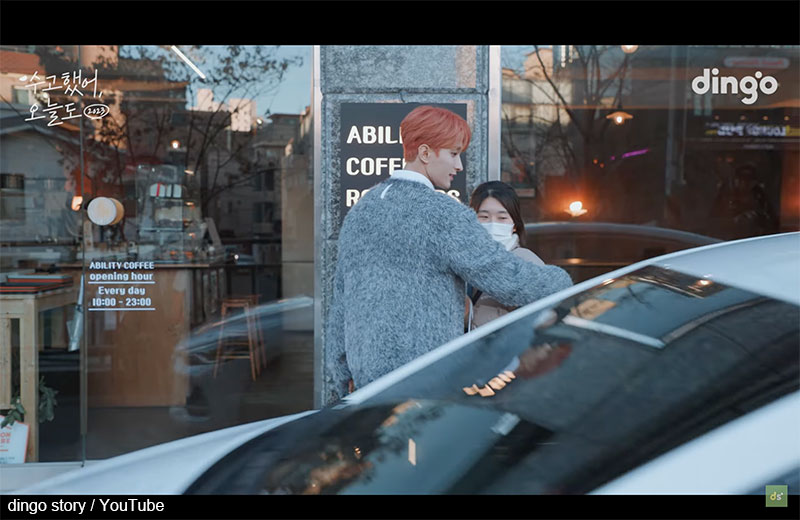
<point>620,384</point>
<point>234,256</point>
<point>588,249</point>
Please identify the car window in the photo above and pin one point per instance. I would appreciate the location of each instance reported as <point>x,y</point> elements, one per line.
<point>620,374</point>
<point>664,300</point>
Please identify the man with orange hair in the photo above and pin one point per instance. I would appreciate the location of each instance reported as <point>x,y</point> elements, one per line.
<point>405,252</point>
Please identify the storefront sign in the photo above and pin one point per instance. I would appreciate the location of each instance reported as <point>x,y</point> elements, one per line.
<point>13,443</point>
<point>372,148</point>
<point>121,286</point>
<point>756,62</point>
<point>716,129</point>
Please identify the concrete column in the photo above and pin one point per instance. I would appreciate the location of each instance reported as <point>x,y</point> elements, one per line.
<point>385,74</point>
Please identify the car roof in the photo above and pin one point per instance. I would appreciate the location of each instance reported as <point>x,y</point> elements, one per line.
<point>168,468</point>
<point>633,231</point>
<point>714,462</point>
<point>768,265</point>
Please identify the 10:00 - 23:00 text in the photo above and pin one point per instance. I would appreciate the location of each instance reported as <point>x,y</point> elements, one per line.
<point>113,302</point>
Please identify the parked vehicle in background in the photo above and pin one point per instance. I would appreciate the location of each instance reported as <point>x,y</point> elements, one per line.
<point>233,255</point>
<point>671,376</point>
<point>215,356</point>
<point>196,353</point>
<point>589,249</point>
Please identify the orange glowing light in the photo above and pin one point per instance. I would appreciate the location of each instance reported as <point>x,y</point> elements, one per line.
<point>619,117</point>
<point>497,383</point>
<point>576,209</point>
<point>486,391</point>
<point>412,452</point>
<point>77,200</point>
<point>471,390</point>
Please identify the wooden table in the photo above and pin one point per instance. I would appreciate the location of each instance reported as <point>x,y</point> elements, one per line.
<point>26,309</point>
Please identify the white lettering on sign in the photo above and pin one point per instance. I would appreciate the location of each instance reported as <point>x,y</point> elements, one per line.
<point>748,85</point>
<point>352,196</point>
<point>70,83</point>
<point>373,165</point>
<point>372,135</point>
<point>110,290</point>
<point>749,129</point>
<point>453,193</point>
<point>105,277</point>
<point>120,265</point>
<point>111,283</point>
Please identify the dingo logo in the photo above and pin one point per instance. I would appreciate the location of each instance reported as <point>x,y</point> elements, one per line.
<point>748,85</point>
<point>776,496</point>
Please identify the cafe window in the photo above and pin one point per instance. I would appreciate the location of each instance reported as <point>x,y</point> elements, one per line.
<point>129,216</point>
<point>697,139</point>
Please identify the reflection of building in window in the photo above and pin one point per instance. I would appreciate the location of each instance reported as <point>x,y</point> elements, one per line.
<point>23,96</point>
<point>37,187</point>
<point>531,113</point>
<point>296,209</point>
<point>12,196</point>
<point>678,282</point>
<point>684,180</point>
<point>265,146</point>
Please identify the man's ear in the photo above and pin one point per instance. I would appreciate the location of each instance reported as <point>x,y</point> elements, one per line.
<point>423,152</point>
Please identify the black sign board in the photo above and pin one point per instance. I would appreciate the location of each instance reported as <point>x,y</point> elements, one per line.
<point>371,148</point>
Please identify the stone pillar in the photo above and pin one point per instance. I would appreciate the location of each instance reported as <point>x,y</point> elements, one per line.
<point>386,74</point>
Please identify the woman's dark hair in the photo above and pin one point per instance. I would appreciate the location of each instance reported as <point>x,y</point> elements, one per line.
<point>506,196</point>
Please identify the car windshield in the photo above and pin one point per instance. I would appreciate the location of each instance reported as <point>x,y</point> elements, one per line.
<point>559,401</point>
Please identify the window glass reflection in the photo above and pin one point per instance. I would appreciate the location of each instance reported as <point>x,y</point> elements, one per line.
<point>578,406</point>
<point>617,134</point>
<point>155,181</point>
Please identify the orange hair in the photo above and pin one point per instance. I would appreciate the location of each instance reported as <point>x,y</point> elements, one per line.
<point>437,127</point>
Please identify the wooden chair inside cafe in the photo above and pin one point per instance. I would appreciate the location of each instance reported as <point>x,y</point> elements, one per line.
<point>230,348</point>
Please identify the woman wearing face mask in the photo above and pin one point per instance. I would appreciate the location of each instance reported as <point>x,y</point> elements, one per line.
<point>497,206</point>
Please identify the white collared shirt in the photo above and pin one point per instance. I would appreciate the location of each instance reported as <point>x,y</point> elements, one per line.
<point>409,175</point>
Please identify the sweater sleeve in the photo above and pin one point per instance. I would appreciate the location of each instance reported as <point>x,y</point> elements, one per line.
<point>337,372</point>
<point>468,251</point>
<point>528,255</point>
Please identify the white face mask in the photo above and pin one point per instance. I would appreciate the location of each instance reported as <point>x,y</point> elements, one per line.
<point>503,233</point>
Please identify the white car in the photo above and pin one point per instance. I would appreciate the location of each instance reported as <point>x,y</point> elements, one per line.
<point>675,375</point>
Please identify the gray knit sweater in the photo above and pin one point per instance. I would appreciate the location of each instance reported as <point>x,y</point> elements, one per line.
<point>404,254</point>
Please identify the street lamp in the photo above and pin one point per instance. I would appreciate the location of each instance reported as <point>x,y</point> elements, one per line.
<point>629,49</point>
<point>619,117</point>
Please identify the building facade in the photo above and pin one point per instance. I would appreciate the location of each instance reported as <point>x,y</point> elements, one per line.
<point>200,303</point>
